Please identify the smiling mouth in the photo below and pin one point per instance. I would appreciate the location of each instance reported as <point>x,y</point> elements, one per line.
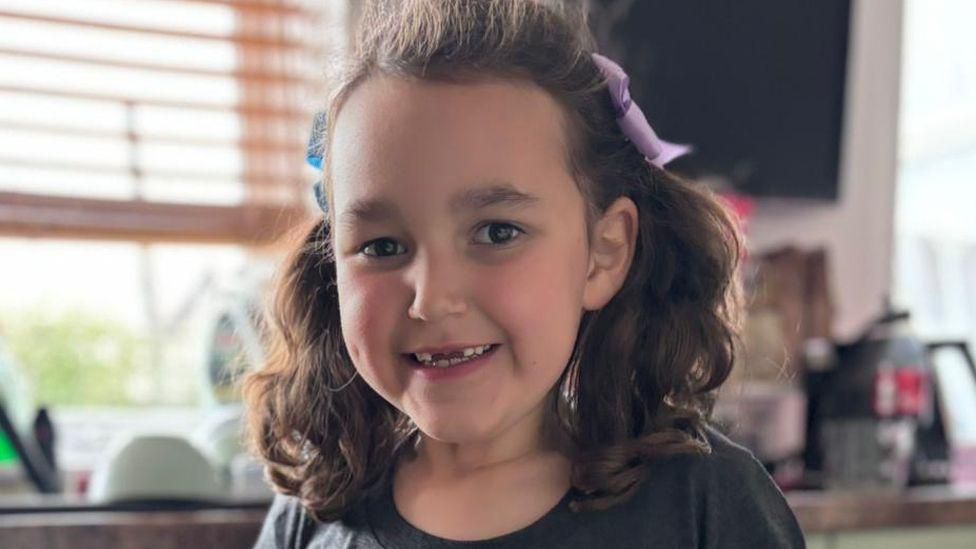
<point>454,358</point>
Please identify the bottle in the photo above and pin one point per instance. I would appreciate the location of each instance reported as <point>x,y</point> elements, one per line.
<point>44,435</point>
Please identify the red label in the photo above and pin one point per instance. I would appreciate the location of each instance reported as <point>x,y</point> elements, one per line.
<point>911,391</point>
<point>900,391</point>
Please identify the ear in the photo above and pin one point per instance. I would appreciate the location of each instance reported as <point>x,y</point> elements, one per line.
<point>612,246</point>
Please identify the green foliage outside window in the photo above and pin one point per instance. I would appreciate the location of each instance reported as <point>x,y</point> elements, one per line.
<point>75,358</point>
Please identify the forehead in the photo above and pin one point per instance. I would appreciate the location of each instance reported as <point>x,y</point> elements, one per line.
<point>406,140</point>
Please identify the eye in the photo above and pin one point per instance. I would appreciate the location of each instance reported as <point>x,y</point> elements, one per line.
<point>497,233</point>
<point>382,247</point>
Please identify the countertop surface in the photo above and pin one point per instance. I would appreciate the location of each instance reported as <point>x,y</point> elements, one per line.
<point>80,526</point>
<point>930,507</point>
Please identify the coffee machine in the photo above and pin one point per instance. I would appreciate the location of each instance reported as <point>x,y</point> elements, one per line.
<point>875,420</point>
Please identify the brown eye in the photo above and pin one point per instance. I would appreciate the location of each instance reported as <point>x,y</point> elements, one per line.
<point>382,247</point>
<point>497,233</point>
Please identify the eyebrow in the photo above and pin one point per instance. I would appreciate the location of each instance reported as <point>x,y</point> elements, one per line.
<point>495,194</point>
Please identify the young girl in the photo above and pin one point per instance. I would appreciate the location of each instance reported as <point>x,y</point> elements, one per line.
<point>506,328</point>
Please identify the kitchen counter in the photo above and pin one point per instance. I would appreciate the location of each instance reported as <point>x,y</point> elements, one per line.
<point>225,528</point>
<point>937,506</point>
<point>822,516</point>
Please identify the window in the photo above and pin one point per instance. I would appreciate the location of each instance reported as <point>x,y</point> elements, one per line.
<point>151,156</point>
<point>935,219</point>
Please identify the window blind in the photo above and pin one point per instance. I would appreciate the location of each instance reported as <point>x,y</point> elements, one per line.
<point>156,120</point>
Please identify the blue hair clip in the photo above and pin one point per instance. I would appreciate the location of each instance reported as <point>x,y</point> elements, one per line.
<point>313,153</point>
<point>313,157</point>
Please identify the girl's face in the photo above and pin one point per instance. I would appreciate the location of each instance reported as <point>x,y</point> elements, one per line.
<point>457,225</point>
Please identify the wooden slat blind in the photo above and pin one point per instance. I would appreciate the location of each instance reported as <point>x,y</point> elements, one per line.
<point>155,120</point>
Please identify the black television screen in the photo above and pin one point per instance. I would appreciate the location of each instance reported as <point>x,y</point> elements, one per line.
<point>756,86</point>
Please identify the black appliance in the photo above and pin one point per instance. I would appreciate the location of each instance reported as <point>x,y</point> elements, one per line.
<point>876,421</point>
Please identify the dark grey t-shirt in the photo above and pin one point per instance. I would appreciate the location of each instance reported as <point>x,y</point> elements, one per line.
<point>724,499</point>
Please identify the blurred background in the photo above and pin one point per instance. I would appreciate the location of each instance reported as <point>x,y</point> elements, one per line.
<point>152,163</point>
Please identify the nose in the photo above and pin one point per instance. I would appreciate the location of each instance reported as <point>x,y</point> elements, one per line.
<point>438,287</point>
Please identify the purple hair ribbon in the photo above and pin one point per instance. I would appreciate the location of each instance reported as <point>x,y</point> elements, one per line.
<point>631,118</point>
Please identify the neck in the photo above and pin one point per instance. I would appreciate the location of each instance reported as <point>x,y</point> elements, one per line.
<point>535,436</point>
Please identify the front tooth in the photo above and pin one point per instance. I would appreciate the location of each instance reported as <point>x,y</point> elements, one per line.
<point>443,363</point>
<point>470,351</point>
<point>423,357</point>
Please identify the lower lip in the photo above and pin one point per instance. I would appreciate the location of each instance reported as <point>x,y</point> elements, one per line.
<point>452,372</point>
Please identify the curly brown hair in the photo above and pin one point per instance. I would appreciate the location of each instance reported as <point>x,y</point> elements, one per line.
<point>640,381</point>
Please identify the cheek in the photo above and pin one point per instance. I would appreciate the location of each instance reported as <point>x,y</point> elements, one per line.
<point>366,306</point>
<point>532,292</point>
<point>537,300</point>
<point>369,306</point>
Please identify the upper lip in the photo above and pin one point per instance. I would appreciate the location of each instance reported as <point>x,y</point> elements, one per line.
<point>444,349</point>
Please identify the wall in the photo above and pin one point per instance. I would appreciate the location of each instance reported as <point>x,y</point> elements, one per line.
<point>858,230</point>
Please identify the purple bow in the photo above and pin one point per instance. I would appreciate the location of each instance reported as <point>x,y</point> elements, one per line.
<point>631,118</point>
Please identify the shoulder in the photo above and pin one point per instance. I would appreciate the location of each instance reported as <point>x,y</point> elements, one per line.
<point>742,506</point>
<point>727,465</point>
<point>721,499</point>
<point>289,525</point>
<point>730,463</point>
<point>284,524</point>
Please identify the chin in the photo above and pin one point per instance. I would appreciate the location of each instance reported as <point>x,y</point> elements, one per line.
<point>454,430</point>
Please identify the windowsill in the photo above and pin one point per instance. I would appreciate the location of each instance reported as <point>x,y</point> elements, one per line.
<point>58,503</point>
<point>227,528</point>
